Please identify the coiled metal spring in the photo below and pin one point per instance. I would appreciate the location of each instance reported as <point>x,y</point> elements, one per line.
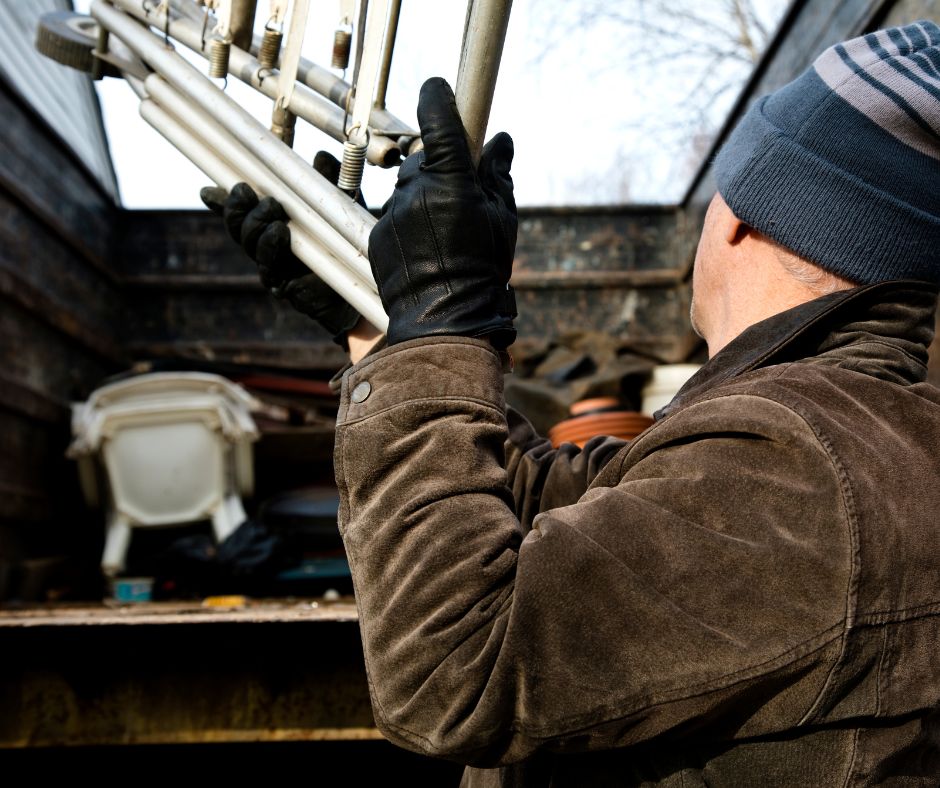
<point>218,58</point>
<point>270,49</point>
<point>342,43</point>
<point>350,171</point>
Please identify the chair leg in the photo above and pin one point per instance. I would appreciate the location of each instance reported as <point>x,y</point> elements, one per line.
<point>227,517</point>
<point>117,541</point>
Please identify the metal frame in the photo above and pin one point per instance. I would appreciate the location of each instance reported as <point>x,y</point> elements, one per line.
<point>330,231</point>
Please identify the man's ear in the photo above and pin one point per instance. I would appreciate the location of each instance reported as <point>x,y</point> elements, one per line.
<point>735,230</point>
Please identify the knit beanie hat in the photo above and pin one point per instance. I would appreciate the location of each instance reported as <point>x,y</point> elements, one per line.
<point>842,166</point>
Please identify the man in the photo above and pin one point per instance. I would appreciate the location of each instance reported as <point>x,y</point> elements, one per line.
<point>749,592</point>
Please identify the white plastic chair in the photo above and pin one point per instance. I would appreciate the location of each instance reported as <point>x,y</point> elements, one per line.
<point>175,449</point>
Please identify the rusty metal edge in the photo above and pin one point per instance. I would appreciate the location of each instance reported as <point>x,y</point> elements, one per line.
<point>326,612</point>
<point>219,736</point>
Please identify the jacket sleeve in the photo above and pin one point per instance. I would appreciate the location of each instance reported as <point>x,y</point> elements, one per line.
<point>542,477</point>
<point>688,587</point>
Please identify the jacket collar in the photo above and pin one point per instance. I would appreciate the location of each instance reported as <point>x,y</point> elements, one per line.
<point>837,329</point>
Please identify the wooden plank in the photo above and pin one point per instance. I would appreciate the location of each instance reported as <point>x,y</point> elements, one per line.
<point>172,281</point>
<point>522,279</point>
<point>299,680</point>
<point>602,241</point>
<point>287,356</point>
<point>41,357</point>
<point>69,285</point>
<point>594,280</point>
<point>652,321</point>
<point>31,463</point>
<point>98,341</point>
<point>39,171</point>
<point>178,262</point>
<point>32,403</point>
<point>193,244</point>
<point>171,613</point>
<point>178,243</point>
<point>222,316</point>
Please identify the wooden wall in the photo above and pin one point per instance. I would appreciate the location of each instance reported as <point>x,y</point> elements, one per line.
<point>60,318</point>
<point>192,293</point>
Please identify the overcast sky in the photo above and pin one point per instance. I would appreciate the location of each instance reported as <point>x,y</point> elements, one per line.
<point>574,107</point>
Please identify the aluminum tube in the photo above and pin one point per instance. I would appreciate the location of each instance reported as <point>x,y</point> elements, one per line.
<point>243,22</point>
<point>391,31</point>
<point>327,84</point>
<point>351,220</point>
<point>305,247</point>
<point>320,79</point>
<point>304,103</point>
<point>480,54</point>
<point>258,175</point>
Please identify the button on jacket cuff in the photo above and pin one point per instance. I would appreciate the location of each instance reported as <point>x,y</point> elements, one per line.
<point>460,368</point>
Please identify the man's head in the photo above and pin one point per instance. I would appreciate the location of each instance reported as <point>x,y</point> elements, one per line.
<point>832,180</point>
<point>742,276</point>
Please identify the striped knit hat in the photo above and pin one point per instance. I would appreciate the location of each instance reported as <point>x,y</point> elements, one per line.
<point>842,166</point>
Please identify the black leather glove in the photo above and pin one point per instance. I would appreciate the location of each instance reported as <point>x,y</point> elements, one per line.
<point>442,252</point>
<point>260,226</point>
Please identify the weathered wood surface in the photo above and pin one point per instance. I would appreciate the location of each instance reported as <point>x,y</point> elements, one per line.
<point>39,357</point>
<point>42,273</point>
<point>181,683</point>
<point>64,97</point>
<point>191,292</point>
<point>61,315</point>
<point>279,683</point>
<point>46,178</point>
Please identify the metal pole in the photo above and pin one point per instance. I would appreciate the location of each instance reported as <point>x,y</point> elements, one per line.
<point>387,51</point>
<point>482,49</point>
<point>332,87</point>
<point>243,22</point>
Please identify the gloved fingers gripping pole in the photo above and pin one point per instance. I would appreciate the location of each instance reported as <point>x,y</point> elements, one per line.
<point>481,51</point>
<point>443,250</point>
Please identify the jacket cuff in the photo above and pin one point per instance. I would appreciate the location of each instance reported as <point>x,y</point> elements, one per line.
<point>336,382</point>
<point>422,369</point>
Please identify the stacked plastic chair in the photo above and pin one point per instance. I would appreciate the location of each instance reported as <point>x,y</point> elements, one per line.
<point>165,449</point>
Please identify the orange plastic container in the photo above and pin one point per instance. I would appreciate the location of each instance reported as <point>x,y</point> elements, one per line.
<point>598,416</point>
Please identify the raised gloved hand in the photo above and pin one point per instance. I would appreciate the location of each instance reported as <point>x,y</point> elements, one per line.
<point>260,226</point>
<point>442,252</point>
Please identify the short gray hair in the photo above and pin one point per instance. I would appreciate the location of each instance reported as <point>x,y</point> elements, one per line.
<point>818,280</point>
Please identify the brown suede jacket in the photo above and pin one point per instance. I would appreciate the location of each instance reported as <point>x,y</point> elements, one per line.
<point>748,594</point>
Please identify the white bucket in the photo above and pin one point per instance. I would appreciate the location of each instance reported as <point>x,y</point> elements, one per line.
<point>666,381</point>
